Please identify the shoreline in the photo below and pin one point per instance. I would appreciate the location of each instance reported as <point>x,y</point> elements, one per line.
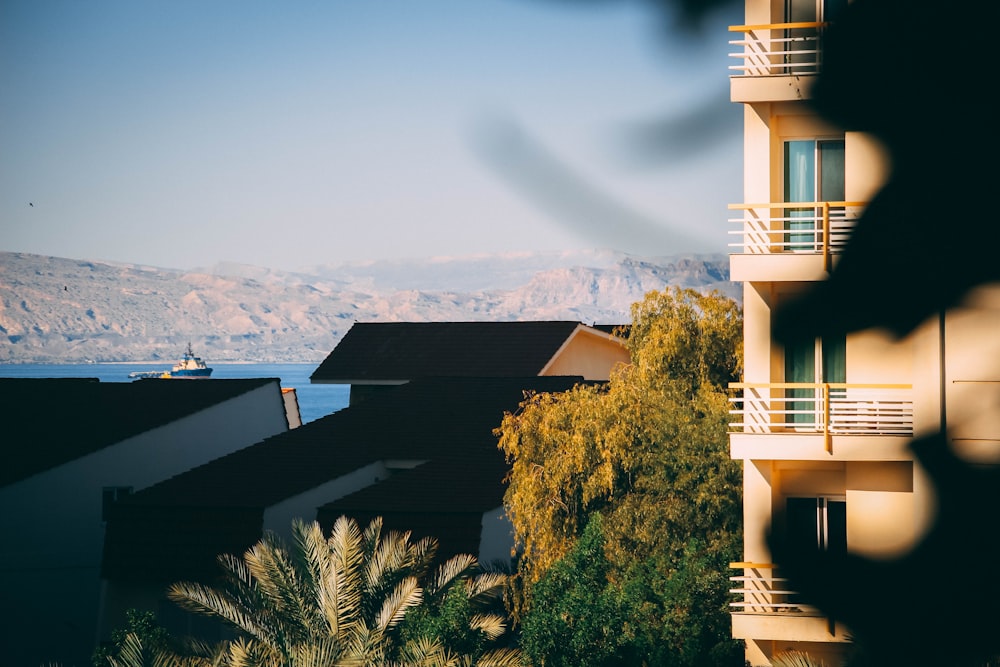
<point>152,363</point>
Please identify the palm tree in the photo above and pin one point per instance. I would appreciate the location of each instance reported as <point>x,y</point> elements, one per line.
<point>795,659</point>
<point>338,601</point>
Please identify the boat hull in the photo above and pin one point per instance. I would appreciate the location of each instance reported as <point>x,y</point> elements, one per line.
<point>192,373</point>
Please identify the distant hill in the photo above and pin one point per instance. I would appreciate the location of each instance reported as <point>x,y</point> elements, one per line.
<point>56,310</point>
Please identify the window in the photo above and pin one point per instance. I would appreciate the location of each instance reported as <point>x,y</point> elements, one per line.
<point>802,45</point>
<point>812,361</point>
<point>110,495</point>
<point>814,172</point>
<point>816,524</point>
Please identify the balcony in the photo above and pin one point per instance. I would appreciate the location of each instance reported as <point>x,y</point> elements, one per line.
<point>768,609</point>
<point>764,591</point>
<point>800,239</point>
<point>777,61</point>
<point>816,413</point>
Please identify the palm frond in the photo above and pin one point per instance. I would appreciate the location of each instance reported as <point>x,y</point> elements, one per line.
<point>388,557</point>
<point>795,659</point>
<point>319,578</point>
<point>501,657</point>
<point>342,589</point>
<point>279,579</point>
<point>426,652</point>
<point>492,625</point>
<point>453,569</point>
<point>406,595</point>
<point>207,600</point>
<point>319,653</point>
<point>193,652</point>
<point>422,554</point>
<point>241,588</point>
<point>131,653</point>
<point>248,653</point>
<point>373,531</point>
<point>488,585</point>
<point>365,646</point>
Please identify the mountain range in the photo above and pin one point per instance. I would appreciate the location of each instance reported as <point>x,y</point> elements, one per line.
<point>59,310</point>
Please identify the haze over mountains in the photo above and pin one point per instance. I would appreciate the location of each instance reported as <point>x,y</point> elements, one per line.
<point>57,310</point>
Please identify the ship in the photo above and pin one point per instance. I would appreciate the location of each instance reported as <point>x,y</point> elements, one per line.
<point>188,367</point>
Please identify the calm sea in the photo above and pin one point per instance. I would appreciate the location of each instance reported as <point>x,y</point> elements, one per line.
<point>315,400</point>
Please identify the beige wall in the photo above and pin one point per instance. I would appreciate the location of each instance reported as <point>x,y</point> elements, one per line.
<point>972,380</point>
<point>757,338</point>
<point>592,355</point>
<point>885,512</point>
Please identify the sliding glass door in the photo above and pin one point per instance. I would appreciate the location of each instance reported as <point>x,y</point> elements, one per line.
<point>814,172</point>
<point>813,361</point>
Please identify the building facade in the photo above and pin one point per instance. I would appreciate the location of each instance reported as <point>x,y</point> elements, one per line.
<point>823,425</point>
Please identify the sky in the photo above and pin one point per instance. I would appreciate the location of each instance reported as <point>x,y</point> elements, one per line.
<point>289,134</point>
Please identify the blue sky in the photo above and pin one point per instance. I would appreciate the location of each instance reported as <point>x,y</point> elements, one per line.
<point>294,133</point>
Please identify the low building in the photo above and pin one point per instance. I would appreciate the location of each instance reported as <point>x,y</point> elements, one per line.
<point>375,355</point>
<point>72,449</point>
<point>423,456</point>
<point>416,446</point>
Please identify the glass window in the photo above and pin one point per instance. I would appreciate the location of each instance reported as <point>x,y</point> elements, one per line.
<point>817,524</point>
<point>814,173</point>
<point>811,361</point>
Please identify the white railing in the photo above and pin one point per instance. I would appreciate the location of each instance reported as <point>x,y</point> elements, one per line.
<point>763,591</point>
<point>828,408</point>
<point>818,228</point>
<point>777,49</point>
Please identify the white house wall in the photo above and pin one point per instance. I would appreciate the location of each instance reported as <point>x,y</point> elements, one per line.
<point>51,572</point>
<point>497,537</point>
<point>278,518</point>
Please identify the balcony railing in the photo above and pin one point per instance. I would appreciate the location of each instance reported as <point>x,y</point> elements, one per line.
<point>777,49</point>
<point>764,591</point>
<point>818,228</point>
<point>827,408</point>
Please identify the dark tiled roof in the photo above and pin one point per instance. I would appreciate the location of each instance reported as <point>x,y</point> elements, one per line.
<point>387,351</point>
<point>423,419</point>
<point>448,422</point>
<point>61,419</point>
<point>444,498</point>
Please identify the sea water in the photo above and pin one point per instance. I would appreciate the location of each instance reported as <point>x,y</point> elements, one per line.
<point>315,400</point>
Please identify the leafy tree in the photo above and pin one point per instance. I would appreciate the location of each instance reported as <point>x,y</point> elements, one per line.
<point>648,451</point>
<point>341,600</point>
<point>579,620</point>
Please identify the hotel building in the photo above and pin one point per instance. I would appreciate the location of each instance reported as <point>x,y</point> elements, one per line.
<point>822,426</point>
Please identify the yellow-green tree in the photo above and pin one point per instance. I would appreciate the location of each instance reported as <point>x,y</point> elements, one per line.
<point>648,451</point>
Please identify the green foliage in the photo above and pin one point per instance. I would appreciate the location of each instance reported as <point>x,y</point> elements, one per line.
<point>342,600</point>
<point>466,615</point>
<point>582,615</point>
<point>578,618</point>
<point>141,632</point>
<point>649,452</point>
